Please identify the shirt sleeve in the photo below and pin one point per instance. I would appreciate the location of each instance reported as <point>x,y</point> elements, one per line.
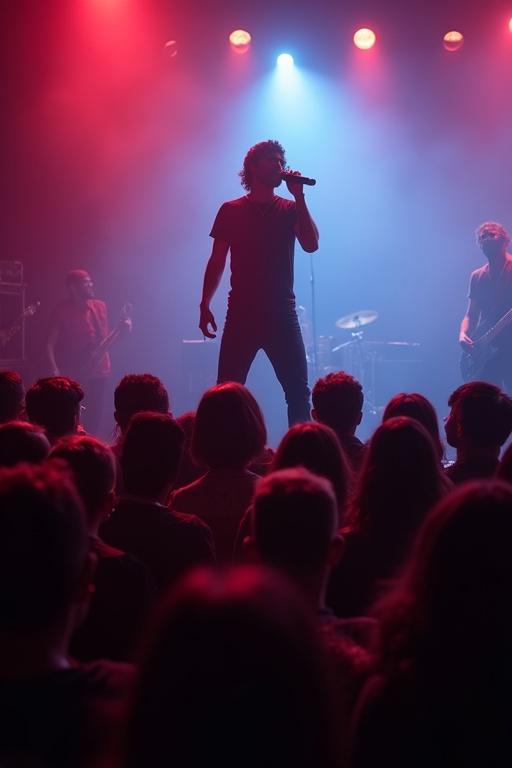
<point>221,229</point>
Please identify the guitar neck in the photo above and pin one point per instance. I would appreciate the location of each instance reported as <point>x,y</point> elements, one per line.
<point>500,326</point>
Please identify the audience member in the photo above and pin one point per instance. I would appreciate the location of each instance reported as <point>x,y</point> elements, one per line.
<point>479,423</point>
<point>20,442</point>
<point>233,674</point>
<point>315,447</point>
<point>401,479</point>
<point>122,594</point>
<point>417,407</point>
<point>442,693</point>
<point>136,392</point>
<point>11,396</point>
<point>166,542</point>
<point>53,712</point>
<point>54,404</point>
<point>294,529</point>
<point>229,433</point>
<point>338,402</point>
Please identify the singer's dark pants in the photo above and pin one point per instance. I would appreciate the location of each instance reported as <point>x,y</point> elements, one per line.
<point>279,336</point>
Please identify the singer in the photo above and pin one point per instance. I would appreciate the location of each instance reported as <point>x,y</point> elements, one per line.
<point>259,230</point>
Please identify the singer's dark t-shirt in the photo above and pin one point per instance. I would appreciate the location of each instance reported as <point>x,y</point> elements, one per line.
<point>261,237</point>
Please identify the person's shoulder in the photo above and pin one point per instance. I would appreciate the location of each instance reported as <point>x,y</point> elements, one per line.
<point>236,204</point>
<point>99,305</point>
<point>479,272</point>
<point>187,523</point>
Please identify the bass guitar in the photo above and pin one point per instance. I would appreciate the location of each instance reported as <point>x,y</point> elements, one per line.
<point>475,358</point>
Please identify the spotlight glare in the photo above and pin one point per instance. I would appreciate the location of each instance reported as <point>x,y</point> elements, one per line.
<point>240,40</point>
<point>285,61</point>
<point>171,48</point>
<point>510,25</point>
<point>453,40</point>
<point>364,38</point>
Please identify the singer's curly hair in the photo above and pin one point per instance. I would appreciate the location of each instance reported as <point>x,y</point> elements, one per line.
<point>255,152</point>
<point>493,229</point>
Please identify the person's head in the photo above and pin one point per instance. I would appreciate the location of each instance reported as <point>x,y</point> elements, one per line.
<point>294,526</point>
<point>229,430</point>
<point>263,164</point>
<point>138,392</point>
<point>21,442</point>
<point>480,418</point>
<point>451,605</point>
<point>242,646</point>
<point>417,407</point>
<point>316,447</point>
<point>492,238</point>
<point>45,568</point>
<point>79,285</point>
<point>338,402</point>
<point>93,469</point>
<point>400,481</point>
<point>151,454</point>
<point>54,403</point>
<point>11,395</point>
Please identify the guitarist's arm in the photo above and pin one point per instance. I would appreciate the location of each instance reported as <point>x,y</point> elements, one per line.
<point>51,343</point>
<point>468,324</point>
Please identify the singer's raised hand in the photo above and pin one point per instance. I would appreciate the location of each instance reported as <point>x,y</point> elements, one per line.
<point>207,319</point>
<point>294,189</point>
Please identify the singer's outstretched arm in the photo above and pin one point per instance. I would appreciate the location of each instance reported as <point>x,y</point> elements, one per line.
<point>212,276</point>
<point>305,228</point>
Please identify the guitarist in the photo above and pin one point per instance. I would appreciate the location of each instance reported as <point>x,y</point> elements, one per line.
<point>490,298</point>
<point>77,326</point>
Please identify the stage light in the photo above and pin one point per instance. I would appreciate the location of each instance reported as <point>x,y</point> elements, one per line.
<point>240,41</point>
<point>285,61</point>
<point>453,40</point>
<point>171,48</point>
<point>510,25</point>
<point>364,39</point>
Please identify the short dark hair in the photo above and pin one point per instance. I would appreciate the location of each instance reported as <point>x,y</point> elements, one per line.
<point>21,441</point>
<point>54,403</point>
<point>294,517</point>
<point>338,401</point>
<point>138,392</point>
<point>44,543</point>
<point>229,430</point>
<point>254,154</point>
<point>151,453</point>
<point>11,395</point>
<point>93,468</point>
<point>484,412</point>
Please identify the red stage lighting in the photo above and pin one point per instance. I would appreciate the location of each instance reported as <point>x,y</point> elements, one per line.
<point>453,40</point>
<point>364,39</point>
<point>510,25</point>
<point>240,41</point>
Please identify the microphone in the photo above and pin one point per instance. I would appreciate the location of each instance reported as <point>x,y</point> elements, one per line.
<point>298,179</point>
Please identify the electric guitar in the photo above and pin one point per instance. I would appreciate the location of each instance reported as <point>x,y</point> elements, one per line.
<point>95,355</point>
<point>475,359</point>
<point>8,335</point>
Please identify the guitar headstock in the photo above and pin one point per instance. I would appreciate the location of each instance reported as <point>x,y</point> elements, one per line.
<point>31,309</point>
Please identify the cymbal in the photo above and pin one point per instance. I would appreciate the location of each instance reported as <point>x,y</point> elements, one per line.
<point>357,319</point>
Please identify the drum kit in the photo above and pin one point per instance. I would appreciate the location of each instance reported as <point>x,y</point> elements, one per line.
<point>358,356</point>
